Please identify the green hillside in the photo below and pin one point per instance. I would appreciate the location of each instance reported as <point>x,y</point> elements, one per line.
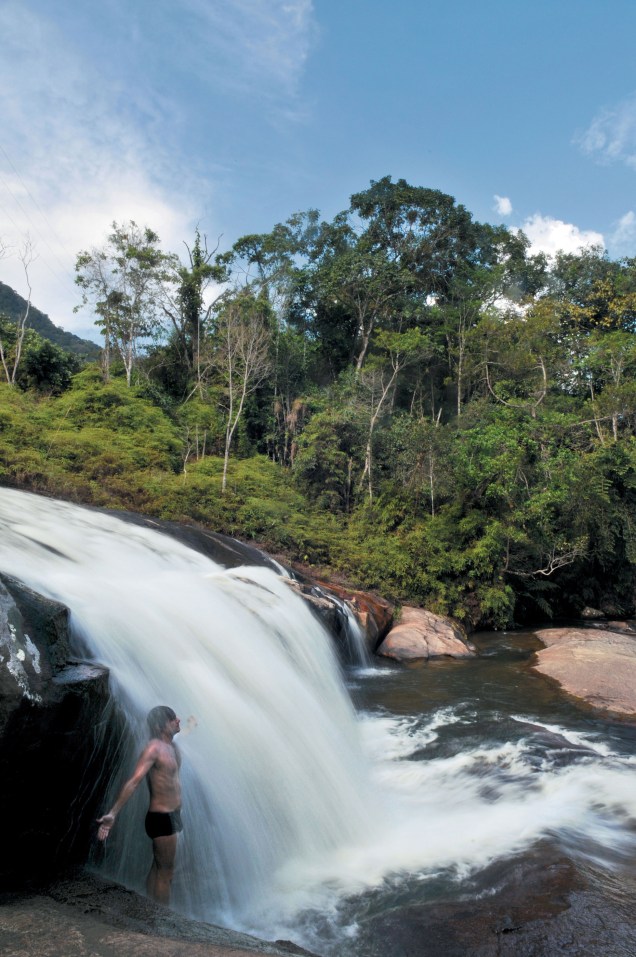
<point>13,305</point>
<point>403,396</point>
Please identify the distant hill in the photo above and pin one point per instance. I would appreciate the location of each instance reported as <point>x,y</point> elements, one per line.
<point>13,306</point>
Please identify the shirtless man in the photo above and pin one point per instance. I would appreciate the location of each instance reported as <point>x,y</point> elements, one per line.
<point>159,764</point>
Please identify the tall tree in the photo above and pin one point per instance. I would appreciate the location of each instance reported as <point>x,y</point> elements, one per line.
<point>610,370</point>
<point>187,304</point>
<point>242,338</point>
<point>123,281</point>
<point>394,351</point>
<point>12,341</point>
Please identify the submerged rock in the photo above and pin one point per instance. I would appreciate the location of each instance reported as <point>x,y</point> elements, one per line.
<point>598,666</point>
<point>422,634</point>
<point>539,904</point>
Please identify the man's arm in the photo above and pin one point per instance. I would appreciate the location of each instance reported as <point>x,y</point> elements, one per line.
<point>144,764</point>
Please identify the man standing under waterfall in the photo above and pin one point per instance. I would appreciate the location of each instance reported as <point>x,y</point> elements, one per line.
<point>159,763</point>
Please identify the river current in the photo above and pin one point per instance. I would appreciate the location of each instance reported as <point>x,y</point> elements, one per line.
<point>317,797</point>
<point>484,760</point>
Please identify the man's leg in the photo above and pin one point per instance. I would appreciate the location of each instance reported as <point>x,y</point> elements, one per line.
<point>164,851</point>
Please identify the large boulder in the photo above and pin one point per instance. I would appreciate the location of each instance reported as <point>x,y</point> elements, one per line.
<point>597,665</point>
<point>56,720</point>
<point>422,634</point>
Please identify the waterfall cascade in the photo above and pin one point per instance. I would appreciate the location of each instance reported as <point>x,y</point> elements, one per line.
<point>273,775</point>
<point>300,817</point>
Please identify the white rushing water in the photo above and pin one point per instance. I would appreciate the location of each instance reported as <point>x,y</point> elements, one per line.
<point>273,771</point>
<point>292,805</point>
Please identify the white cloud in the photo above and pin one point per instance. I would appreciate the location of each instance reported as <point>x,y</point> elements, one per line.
<point>72,160</point>
<point>88,137</point>
<point>548,235</point>
<point>611,137</point>
<point>622,241</point>
<point>503,206</point>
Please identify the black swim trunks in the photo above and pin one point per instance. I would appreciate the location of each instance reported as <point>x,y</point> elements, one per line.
<point>163,823</point>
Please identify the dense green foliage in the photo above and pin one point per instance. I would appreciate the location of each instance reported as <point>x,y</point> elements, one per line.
<point>403,395</point>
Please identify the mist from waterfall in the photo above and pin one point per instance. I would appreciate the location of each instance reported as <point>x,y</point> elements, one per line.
<point>272,770</point>
<point>294,806</point>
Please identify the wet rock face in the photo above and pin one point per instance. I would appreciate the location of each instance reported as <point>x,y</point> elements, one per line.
<point>374,614</point>
<point>539,905</point>
<point>226,551</point>
<point>54,717</point>
<point>83,915</point>
<point>329,602</point>
<point>422,634</point>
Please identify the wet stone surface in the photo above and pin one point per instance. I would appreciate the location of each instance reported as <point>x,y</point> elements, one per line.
<point>83,916</point>
<point>541,905</point>
<point>538,905</point>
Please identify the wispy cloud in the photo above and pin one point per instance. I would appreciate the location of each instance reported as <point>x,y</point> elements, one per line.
<point>622,241</point>
<point>550,236</point>
<point>503,206</point>
<point>260,46</point>
<point>73,158</point>
<point>611,136</point>
<point>102,132</point>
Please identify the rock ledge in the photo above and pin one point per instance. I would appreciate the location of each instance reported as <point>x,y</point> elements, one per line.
<point>598,666</point>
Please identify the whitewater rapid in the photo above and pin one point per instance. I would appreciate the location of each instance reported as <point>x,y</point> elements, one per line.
<point>294,806</point>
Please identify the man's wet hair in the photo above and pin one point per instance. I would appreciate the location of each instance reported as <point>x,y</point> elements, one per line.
<point>158,718</point>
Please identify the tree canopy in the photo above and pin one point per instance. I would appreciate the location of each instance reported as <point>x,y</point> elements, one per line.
<point>403,394</point>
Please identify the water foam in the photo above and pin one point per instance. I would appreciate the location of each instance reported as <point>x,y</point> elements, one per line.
<point>293,807</point>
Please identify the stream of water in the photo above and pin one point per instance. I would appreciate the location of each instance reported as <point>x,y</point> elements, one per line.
<point>317,798</point>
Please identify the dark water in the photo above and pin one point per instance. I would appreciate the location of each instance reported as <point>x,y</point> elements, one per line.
<point>307,821</point>
<point>498,683</point>
<point>497,767</point>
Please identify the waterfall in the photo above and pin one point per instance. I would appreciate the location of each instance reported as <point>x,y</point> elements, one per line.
<point>355,650</point>
<point>273,775</point>
<point>300,818</point>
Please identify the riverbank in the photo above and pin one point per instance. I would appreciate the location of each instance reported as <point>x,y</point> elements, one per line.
<point>84,916</point>
<point>541,905</point>
<point>596,665</point>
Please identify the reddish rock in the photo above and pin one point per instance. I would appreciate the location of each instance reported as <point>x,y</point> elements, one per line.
<point>421,634</point>
<point>598,666</point>
<point>628,626</point>
<point>374,614</point>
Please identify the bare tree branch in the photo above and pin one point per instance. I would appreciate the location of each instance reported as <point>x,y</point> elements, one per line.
<point>11,353</point>
<point>242,359</point>
<point>554,561</point>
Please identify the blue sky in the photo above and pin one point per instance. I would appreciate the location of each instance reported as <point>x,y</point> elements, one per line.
<point>237,113</point>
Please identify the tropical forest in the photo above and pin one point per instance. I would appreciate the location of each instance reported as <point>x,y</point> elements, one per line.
<point>402,398</point>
